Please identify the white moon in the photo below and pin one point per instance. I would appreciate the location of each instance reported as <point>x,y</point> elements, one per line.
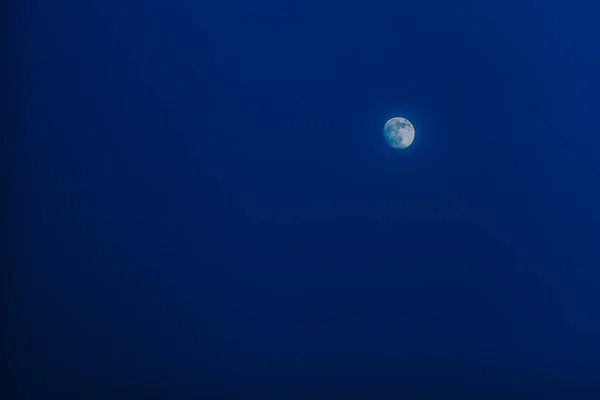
<point>399,133</point>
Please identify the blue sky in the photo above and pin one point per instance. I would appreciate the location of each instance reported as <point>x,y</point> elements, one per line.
<point>203,190</point>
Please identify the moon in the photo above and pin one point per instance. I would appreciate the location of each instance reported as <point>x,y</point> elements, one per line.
<point>399,133</point>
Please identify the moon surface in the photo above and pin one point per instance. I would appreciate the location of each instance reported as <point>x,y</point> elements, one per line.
<point>399,133</point>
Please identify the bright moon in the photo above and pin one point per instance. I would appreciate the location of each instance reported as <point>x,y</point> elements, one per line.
<point>399,133</point>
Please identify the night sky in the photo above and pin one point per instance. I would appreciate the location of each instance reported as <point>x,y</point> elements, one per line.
<point>201,203</point>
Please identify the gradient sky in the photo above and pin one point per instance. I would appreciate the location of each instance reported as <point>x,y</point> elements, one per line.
<point>202,199</point>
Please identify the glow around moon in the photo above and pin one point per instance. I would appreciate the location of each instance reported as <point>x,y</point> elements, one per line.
<point>399,133</point>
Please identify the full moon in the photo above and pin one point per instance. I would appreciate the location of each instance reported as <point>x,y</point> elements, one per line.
<point>399,133</point>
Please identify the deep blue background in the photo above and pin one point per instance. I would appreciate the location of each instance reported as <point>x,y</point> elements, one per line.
<point>202,200</point>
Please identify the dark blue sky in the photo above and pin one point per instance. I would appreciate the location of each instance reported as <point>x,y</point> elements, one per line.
<point>202,200</point>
